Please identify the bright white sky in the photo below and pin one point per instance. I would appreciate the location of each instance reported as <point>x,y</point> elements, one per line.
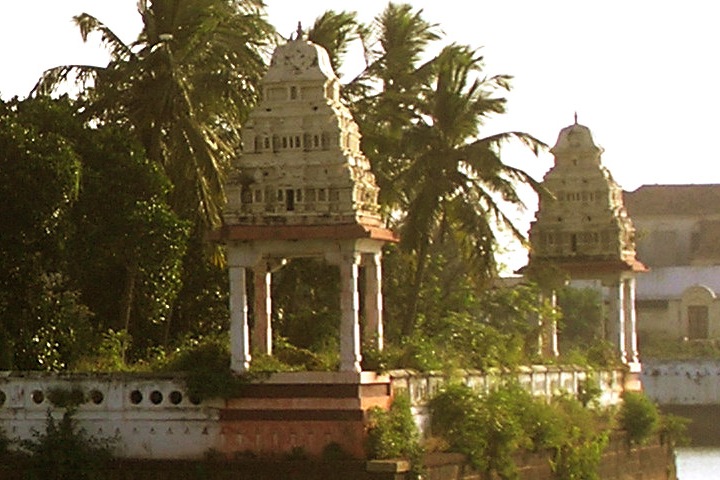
<point>643,75</point>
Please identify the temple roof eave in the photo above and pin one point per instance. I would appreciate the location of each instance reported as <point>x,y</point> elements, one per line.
<point>302,232</point>
<point>586,267</point>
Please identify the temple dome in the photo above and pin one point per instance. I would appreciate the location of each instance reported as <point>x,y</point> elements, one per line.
<point>299,59</point>
<point>575,137</point>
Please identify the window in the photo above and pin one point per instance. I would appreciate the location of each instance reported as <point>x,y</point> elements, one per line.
<point>290,199</point>
<point>698,324</point>
<point>293,93</point>
<point>246,195</point>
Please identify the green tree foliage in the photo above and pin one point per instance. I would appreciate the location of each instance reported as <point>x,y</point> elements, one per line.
<point>91,222</point>
<point>39,182</point>
<point>441,182</point>
<point>182,91</point>
<point>467,329</point>
<point>201,307</point>
<point>184,88</point>
<point>314,322</point>
<point>582,317</point>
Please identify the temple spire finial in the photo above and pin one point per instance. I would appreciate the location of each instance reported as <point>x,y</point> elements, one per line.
<point>299,32</point>
<point>575,118</point>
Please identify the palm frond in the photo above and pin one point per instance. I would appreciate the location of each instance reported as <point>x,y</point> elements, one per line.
<point>335,31</point>
<point>52,78</point>
<point>88,24</point>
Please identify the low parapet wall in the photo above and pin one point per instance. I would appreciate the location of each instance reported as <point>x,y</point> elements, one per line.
<point>682,382</point>
<point>542,381</point>
<point>153,417</point>
<point>148,416</point>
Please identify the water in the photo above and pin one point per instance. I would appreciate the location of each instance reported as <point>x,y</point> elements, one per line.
<point>698,463</point>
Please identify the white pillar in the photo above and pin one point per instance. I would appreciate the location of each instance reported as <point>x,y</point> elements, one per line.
<point>551,327</point>
<point>373,300</point>
<point>630,322</point>
<point>616,317</point>
<point>547,336</point>
<point>262,329</point>
<point>350,322</point>
<point>239,332</point>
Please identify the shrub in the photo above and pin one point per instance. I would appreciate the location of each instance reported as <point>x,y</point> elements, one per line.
<point>487,429</point>
<point>206,365</point>
<point>65,452</point>
<point>589,391</point>
<point>673,430</point>
<point>393,434</point>
<point>638,416</point>
<point>490,429</point>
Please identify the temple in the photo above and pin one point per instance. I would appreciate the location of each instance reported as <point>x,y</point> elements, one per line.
<point>302,188</point>
<point>582,232</point>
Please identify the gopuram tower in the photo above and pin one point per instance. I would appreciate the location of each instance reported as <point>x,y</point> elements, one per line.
<point>302,188</point>
<point>582,231</point>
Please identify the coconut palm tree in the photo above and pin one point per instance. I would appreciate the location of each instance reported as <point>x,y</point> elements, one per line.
<point>184,87</point>
<point>441,181</point>
<point>455,182</point>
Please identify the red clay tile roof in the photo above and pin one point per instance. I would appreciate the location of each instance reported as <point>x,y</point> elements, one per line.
<point>673,200</point>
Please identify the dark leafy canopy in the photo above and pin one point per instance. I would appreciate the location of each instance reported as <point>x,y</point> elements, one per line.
<point>84,218</point>
<point>441,181</point>
<point>39,182</point>
<point>184,87</point>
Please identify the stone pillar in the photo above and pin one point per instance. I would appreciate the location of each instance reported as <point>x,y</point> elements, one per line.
<point>616,317</point>
<point>373,300</point>
<point>630,322</point>
<point>350,307</point>
<point>239,332</point>
<point>262,329</point>
<point>551,328</point>
<point>547,337</point>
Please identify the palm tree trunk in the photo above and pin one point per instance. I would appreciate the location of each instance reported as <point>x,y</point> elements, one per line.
<point>408,326</point>
<point>129,294</point>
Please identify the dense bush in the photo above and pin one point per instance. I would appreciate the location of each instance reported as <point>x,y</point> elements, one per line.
<point>490,429</point>
<point>65,452</point>
<point>638,416</point>
<point>393,434</point>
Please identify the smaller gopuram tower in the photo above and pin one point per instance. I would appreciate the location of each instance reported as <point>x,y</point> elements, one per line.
<point>302,188</point>
<point>582,231</point>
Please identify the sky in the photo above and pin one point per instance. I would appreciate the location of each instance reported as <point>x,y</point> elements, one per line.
<point>643,75</point>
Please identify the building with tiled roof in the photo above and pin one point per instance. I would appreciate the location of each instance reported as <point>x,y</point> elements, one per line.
<point>678,237</point>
